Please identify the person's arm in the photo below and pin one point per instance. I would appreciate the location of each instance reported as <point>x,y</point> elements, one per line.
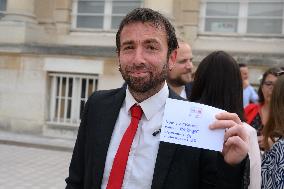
<point>255,158</point>
<point>216,173</point>
<point>75,180</point>
<point>233,164</point>
<point>253,95</point>
<point>273,168</point>
<point>233,176</point>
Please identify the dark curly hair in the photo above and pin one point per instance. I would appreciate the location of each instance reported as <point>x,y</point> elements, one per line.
<point>157,19</point>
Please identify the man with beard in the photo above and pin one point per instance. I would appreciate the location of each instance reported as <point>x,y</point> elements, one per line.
<point>111,153</point>
<point>179,77</point>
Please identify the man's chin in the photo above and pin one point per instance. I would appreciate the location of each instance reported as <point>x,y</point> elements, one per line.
<point>140,88</point>
<point>182,82</point>
<point>139,75</point>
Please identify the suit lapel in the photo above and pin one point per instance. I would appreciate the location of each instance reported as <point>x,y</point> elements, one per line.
<point>108,115</point>
<point>164,158</point>
<point>163,162</point>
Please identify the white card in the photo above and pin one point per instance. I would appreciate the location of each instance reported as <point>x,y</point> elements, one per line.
<point>187,123</point>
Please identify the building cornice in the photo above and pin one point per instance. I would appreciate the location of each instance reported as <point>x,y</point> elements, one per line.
<point>54,49</point>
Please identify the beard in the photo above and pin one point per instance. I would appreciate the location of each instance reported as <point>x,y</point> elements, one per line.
<point>181,80</point>
<point>144,84</point>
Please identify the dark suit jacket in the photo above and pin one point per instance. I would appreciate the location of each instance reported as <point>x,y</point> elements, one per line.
<point>176,167</point>
<point>188,88</point>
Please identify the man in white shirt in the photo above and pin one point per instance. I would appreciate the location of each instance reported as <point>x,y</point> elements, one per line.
<point>179,77</point>
<point>146,49</point>
<point>249,94</point>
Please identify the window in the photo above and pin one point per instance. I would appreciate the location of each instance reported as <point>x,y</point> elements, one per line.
<point>2,7</point>
<point>69,94</point>
<point>101,14</point>
<point>265,17</point>
<point>242,16</point>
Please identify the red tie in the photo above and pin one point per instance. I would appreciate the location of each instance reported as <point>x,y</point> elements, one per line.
<point>119,164</point>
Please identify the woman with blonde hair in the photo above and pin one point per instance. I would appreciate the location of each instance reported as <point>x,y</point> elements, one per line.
<point>272,166</point>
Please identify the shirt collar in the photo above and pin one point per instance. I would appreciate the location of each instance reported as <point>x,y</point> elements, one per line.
<point>183,93</point>
<point>151,105</point>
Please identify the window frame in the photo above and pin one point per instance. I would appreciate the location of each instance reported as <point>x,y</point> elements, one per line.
<point>55,109</point>
<point>107,16</point>
<point>243,18</point>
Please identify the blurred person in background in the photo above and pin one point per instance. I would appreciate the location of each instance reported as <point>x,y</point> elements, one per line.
<point>249,94</point>
<point>257,114</point>
<point>180,76</point>
<point>218,83</point>
<point>272,166</point>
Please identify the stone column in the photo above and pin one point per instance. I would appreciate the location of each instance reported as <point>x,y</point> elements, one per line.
<point>20,11</point>
<point>19,24</point>
<point>189,16</point>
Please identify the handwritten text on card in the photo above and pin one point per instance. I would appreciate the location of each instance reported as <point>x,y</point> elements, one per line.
<point>186,123</point>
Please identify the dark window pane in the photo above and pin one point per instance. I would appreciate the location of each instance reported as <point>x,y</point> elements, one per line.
<point>57,86</point>
<point>83,89</point>
<point>91,7</point>
<point>62,101</point>
<point>124,7</point>
<point>63,87</point>
<point>265,9</point>
<point>70,87</point>
<point>69,109</point>
<point>56,107</point>
<point>116,21</point>
<point>90,89</point>
<point>222,9</point>
<point>82,105</point>
<point>96,84</point>
<point>221,25</point>
<point>120,9</point>
<point>273,26</point>
<point>90,22</point>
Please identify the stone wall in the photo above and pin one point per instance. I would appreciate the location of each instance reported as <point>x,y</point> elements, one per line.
<point>33,30</point>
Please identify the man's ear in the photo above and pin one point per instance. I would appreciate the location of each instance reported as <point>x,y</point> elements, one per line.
<point>172,59</point>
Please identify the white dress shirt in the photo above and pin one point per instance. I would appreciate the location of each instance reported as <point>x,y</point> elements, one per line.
<point>142,156</point>
<point>249,94</point>
<point>183,93</point>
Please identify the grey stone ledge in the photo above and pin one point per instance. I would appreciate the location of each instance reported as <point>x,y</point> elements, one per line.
<point>254,59</point>
<point>54,49</point>
<point>34,141</point>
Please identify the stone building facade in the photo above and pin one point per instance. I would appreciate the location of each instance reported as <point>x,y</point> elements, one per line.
<point>55,53</point>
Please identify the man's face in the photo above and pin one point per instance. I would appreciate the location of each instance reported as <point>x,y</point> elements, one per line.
<point>181,72</point>
<point>244,73</point>
<point>143,56</point>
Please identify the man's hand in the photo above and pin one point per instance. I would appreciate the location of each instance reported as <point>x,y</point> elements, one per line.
<point>236,138</point>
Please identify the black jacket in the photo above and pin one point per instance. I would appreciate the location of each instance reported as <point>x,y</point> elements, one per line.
<point>177,166</point>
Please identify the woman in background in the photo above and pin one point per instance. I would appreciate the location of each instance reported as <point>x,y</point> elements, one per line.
<point>272,166</point>
<point>218,83</point>
<point>256,114</point>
